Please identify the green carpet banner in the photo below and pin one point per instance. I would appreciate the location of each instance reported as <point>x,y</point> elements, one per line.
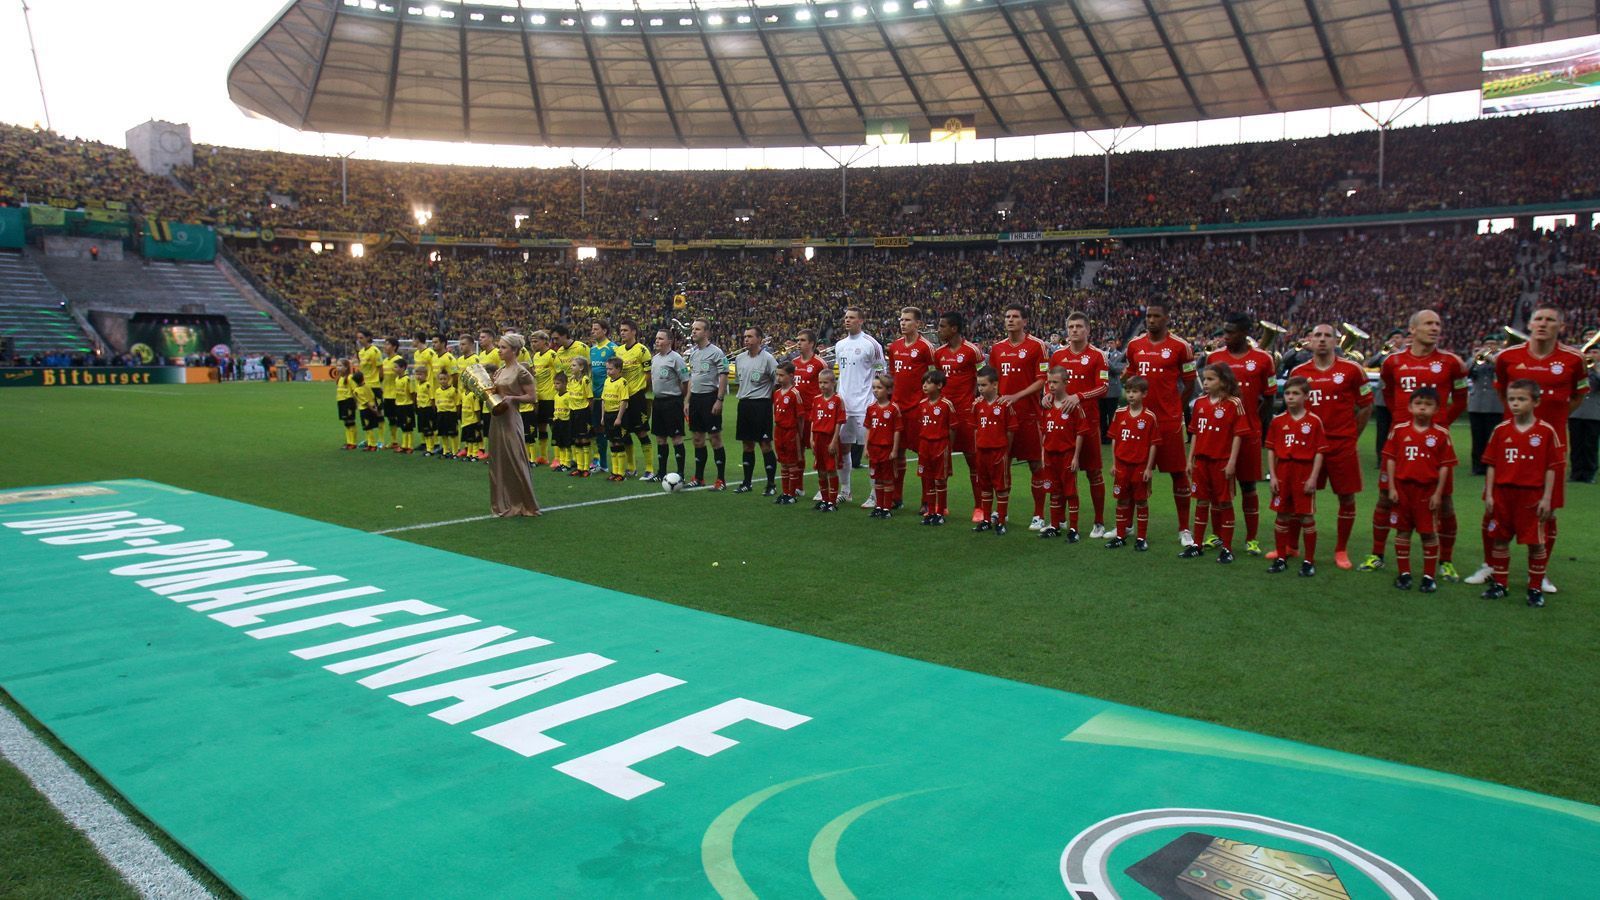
<point>185,241</point>
<point>13,227</point>
<point>315,711</point>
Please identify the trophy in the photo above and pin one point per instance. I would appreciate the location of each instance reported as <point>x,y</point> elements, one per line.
<point>477,380</point>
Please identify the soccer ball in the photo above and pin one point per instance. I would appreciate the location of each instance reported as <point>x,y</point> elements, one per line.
<point>672,482</point>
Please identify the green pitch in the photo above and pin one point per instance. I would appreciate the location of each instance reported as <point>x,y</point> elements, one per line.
<point>1489,690</point>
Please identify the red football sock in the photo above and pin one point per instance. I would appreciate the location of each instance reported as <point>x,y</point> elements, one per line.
<point>1058,507</point>
<point>1500,562</point>
<point>1224,524</point>
<point>1294,536</point>
<point>898,489</point>
<point>1072,511</point>
<point>1142,517</point>
<point>1538,559</point>
<point>1380,532</point>
<point>1181,492</point>
<point>1430,555</point>
<point>1308,533</point>
<point>1280,537</point>
<point>1097,494</point>
<point>1550,536</point>
<point>1039,492</point>
<point>1347,521</point>
<point>927,496</point>
<point>1124,519</point>
<point>972,476</point>
<point>941,496</point>
<point>1250,503</point>
<point>1202,518</point>
<point>1488,543</point>
<point>1002,499</point>
<point>1402,553</point>
<point>986,503</point>
<point>1447,536</point>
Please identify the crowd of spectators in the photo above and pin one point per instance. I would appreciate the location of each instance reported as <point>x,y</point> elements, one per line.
<point>1491,162</point>
<point>38,166</point>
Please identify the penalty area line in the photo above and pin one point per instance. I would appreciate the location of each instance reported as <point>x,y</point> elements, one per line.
<point>145,866</point>
<point>550,509</point>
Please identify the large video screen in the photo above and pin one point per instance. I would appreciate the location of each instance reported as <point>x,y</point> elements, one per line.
<point>1541,76</point>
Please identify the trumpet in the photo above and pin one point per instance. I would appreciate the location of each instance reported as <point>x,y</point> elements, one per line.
<point>1485,353</point>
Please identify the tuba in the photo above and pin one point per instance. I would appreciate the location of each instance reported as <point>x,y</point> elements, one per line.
<point>1353,334</point>
<point>1516,334</point>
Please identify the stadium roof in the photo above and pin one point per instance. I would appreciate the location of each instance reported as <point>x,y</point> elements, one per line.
<point>729,73</point>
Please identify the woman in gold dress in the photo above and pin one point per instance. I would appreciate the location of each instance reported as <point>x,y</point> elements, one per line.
<point>510,482</point>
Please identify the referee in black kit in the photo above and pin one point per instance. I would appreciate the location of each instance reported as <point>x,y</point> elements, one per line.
<point>757,371</point>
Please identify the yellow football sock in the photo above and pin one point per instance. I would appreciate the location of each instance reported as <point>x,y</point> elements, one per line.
<point>633,457</point>
<point>349,434</point>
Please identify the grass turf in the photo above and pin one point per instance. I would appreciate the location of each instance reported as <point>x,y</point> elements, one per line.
<point>1489,690</point>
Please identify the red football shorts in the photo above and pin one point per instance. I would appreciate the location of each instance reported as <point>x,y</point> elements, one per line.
<point>1170,452</point>
<point>786,443</point>
<point>933,461</point>
<point>993,468</point>
<point>910,429</point>
<point>1411,513</point>
<point>820,440</point>
<point>966,431</point>
<point>1127,482</point>
<point>1210,481</point>
<point>1025,443</point>
<point>1249,468</point>
<point>1291,498</point>
<point>877,455</point>
<point>1516,516</point>
<point>1090,459</point>
<point>882,469</point>
<point>1341,468</point>
<point>1057,478</point>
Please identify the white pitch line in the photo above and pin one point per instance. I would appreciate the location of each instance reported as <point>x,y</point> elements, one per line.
<point>145,866</point>
<point>548,509</point>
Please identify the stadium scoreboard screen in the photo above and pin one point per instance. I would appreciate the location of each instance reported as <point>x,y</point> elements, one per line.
<point>1541,76</point>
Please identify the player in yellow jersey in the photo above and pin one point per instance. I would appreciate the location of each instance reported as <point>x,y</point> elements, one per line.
<point>560,426</point>
<point>344,393</point>
<point>636,372</point>
<point>367,406</point>
<point>613,410</point>
<point>579,395</point>
<point>447,413</point>
<point>423,356</point>
<point>394,365</point>
<point>443,359</point>
<point>527,410</point>
<point>471,422</point>
<point>544,363</point>
<point>369,361</point>
<point>405,409</point>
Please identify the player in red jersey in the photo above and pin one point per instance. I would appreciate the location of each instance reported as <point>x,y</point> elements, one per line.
<point>909,357</point>
<point>1422,364</point>
<point>788,419</point>
<point>1296,447</point>
<point>1563,379</point>
<point>1166,362</point>
<point>884,456</point>
<point>1135,441</point>
<point>1256,372</point>
<point>826,415</point>
<point>1418,458</point>
<point>1088,379</point>
<point>1219,426</point>
<point>1525,458</point>
<point>959,359</point>
<point>1021,361</point>
<point>996,432</point>
<point>1069,433</point>
<point>935,430</point>
<point>1341,397</point>
<point>807,366</point>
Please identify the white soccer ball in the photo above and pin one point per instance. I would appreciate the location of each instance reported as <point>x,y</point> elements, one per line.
<point>672,482</point>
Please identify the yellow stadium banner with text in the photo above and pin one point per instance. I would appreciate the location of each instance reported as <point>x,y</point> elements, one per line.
<point>47,216</point>
<point>891,242</point>
<point>1077,233</point>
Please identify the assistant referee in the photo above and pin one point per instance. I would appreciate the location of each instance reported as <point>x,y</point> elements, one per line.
<point>757,371</point>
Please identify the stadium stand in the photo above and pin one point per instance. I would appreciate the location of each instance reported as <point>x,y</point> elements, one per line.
<point>34,320</point>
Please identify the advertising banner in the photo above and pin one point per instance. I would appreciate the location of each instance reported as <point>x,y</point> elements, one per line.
<point>98,376</point>
<point>157,337</point>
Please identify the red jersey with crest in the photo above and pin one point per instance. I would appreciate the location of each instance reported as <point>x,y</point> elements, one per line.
<point>1336,395</point>
<point>935,418</point>
<point>1061,429</point>
<point>1419,455</point>
<point>1520,458</point>
<point>1020,365</point>
<point>1133,435</point>
<point>1214,423</point>
<point>826,415</point>
<point>1088,376</point>
<point>883,423</point>
<point>996,422</point>
<point>908,362</point>
<point>1168,364</point>
<point>960,366</point>
<point>1299,439</point>
<point>1256,374</point>
<point>1403,372</point>
<point>805,377</point>
<point>1562,377</point>
<point>788,409</point>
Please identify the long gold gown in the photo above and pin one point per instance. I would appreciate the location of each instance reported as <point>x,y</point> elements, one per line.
<point>510,481</point>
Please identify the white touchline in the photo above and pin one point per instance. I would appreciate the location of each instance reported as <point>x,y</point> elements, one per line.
<point>549,509</point>
<point>145,866</point>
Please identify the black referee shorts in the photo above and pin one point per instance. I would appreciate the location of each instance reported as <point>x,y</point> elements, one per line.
<point>666,416</point>
<point>701,419</point>
<point>347,410</point>
<point>755,419</point>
